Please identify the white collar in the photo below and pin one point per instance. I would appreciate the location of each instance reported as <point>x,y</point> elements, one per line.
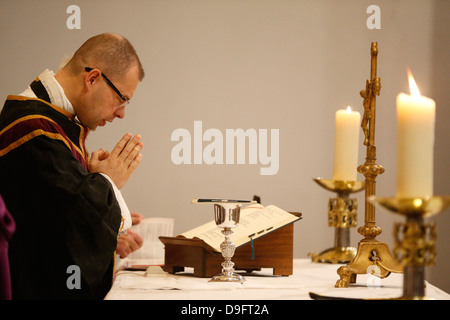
<point>54,90</point>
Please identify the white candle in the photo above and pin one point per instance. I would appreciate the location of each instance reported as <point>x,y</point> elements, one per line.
<point>415,143</point>
<point>346,144</point>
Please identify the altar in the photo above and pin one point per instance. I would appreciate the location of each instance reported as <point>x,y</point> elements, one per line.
<point>308,277</point>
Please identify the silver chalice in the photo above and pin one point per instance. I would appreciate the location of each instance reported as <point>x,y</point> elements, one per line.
<point>227,217</point>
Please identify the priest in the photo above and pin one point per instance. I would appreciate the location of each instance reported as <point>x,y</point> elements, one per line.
<point>67,205</point>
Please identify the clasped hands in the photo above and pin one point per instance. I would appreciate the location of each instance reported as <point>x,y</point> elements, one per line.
<point>121,162</point>
<point>118,166</point>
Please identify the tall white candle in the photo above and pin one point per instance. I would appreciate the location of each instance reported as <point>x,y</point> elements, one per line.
<point>346,144</point>
<point>415,143</point>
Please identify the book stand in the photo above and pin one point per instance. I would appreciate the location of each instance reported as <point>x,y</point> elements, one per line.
<point>273,250</point>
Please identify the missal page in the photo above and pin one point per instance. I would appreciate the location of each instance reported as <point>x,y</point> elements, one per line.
<point>152,250</point>
<point>255,221</point>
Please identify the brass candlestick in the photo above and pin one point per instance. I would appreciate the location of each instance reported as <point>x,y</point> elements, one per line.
<point>414,240</point>
<point>342,215</point>
<point>370,251</point>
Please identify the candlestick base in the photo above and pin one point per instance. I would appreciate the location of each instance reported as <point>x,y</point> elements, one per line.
<point>373,257</point>
<point>335,255</point>
<point>342,215</point>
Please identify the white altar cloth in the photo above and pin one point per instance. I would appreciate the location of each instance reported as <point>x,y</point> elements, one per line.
<point>260,285</point>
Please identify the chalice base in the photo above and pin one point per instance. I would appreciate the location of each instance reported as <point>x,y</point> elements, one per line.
<point>228,277</point>
<point>337,255</point>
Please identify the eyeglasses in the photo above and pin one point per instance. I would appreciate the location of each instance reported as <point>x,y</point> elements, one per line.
<point>126,101</point>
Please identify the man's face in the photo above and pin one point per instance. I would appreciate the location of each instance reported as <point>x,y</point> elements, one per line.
<point>102,103</point>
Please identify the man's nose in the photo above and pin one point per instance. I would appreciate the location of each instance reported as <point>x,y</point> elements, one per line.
<point>120,113</point>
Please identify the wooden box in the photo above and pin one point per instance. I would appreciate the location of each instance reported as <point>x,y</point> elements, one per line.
<point>274,250</point>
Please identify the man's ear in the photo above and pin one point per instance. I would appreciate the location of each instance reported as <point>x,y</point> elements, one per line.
<point>92,77</point>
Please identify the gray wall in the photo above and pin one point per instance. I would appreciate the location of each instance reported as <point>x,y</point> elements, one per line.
<point>284,64</point>
<point>440,273</point>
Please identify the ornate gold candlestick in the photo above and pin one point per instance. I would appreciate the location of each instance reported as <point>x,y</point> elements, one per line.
<point>342,215</point>
<point>370,251</point>
<point>414,240</point>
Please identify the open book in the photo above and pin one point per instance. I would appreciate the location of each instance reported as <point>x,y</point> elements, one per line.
<point>255,221</point>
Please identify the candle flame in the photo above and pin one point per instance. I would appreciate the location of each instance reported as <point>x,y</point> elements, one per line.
<point>412,85</point>
<point>349,110</point>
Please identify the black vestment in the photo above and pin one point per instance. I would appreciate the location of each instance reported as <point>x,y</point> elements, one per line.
<point>65,216</point>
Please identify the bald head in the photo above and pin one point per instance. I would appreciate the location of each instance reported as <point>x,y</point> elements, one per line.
<point>111,53</point>
<point>93,98</point>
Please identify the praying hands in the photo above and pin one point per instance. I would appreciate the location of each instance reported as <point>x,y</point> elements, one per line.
<point>121,162</point>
